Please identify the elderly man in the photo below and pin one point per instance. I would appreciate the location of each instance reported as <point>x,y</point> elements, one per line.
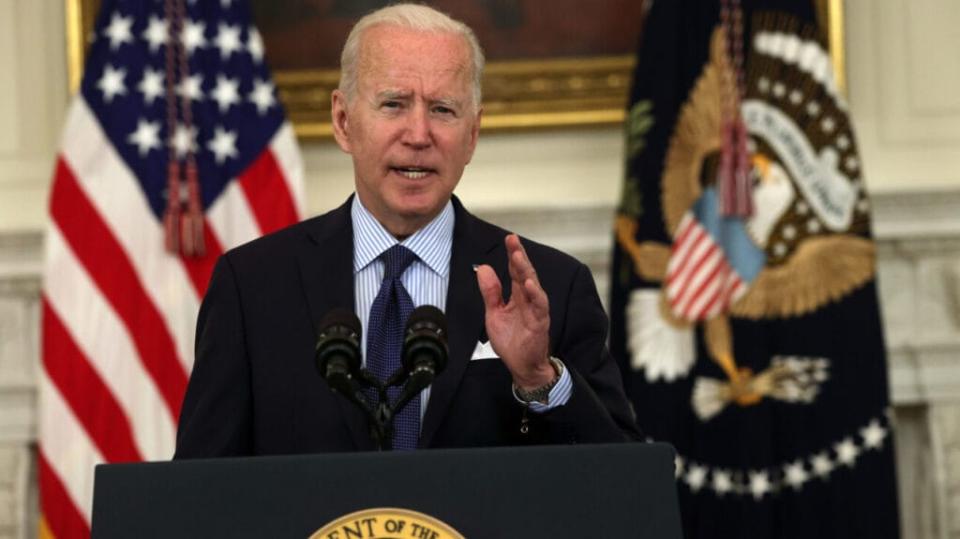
<point>528,362</point>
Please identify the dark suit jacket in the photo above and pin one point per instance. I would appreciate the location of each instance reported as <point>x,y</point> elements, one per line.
<point>255,389</point>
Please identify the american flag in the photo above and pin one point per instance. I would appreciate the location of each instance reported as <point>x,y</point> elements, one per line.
<point>700,282</point>
<point>119,308</point>
<point>712,261</point>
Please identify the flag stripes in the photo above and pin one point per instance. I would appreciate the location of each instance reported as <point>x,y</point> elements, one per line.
<point>108,265</point>
<point>66,448</point>
<point>60,515</point>
<point>105,343</point>
<point>265,188</point>
<point>85,392</point>
<point>232,217</point>
<point>699,281</point>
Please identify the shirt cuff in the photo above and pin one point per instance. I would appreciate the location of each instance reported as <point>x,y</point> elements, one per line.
<point>559,394</point>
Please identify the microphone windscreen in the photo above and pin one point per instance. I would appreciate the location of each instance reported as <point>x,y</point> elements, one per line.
<point>428,317</point>
<point>340,317</point>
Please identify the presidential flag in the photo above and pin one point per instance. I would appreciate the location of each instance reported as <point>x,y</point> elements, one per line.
<point>744,303</point>
<point>174,149</point>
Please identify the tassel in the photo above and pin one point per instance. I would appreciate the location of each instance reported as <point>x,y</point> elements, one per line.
<point>733,176</point>
<point>192,224</point>
<point>171,217</point>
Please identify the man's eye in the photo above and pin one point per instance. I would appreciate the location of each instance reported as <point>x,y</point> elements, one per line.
<point>390,104</point>
<point>444,110</point>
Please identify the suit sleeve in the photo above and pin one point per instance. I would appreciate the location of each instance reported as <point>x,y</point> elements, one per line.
<point>216,417</point>
<point>598,410</point>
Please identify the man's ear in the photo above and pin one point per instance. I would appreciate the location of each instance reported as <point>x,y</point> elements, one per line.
<point>339,118</point>
<point>475,134</point>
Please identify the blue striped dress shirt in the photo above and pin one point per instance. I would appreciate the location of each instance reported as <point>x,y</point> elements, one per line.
<point>426,279</point>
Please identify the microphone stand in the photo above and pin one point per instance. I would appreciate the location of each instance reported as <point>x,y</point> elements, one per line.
<point>382,415</point>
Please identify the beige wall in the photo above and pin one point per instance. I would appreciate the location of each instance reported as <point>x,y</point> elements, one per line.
<point>32,103</point>
<point>904,72</point>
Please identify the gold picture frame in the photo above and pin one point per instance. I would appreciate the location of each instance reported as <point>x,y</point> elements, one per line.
<point>523,94</point>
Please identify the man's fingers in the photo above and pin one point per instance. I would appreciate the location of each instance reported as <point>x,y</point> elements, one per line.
<point>537,298</point>
<point>520,266</point>
<point>490,287</point>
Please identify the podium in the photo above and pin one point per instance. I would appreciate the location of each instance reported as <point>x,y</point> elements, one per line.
<point>616,490</point>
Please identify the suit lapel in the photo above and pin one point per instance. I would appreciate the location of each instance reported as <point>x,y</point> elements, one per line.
<point>326,273</point>
<point>473,244</point>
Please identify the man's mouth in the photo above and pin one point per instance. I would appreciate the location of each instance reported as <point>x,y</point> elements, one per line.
<point>413,173</point>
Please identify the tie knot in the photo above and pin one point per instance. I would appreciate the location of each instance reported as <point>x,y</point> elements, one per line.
<point>396,259</point>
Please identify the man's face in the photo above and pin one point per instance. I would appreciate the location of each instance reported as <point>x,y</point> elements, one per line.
<point>412,125</point>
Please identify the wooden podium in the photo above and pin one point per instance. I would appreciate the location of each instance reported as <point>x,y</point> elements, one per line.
<point>621,490</point>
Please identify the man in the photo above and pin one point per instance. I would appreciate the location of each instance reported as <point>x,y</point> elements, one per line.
<point>528,362</point>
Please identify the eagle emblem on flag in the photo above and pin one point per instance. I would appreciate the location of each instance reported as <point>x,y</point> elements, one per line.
<point>806,242</point>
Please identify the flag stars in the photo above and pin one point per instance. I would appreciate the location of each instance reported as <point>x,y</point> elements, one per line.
<point>779,90</point>
<point>873,434</point>
<point>763,84</point>
<point>843,142</point>
<point>828,124</point>
<point>822,466</point>
<point>802,208</point>
<point>111,82</point>
<point>255,44</point>
<point>813,108</point>
<point>146,137</point>
<point>765,482</point>
<point>151,85</point>
<point>156,33</point>
<point>192,35</point>
<point>118,32</point>
<point>223,144</point>
<point>847,452</point>
<point>226,93</point>
<point>863,206</point>
<point>191,87</point>
<point>228,40</point>
<point>262,95</point>
<point>184,140</point>
<point>759,484</point>
<point>813,226</point>
<point>722,482</point>
<point>796,97</point>
<point>795,475</point>
<point>696,477</point>
<point>789,232</point>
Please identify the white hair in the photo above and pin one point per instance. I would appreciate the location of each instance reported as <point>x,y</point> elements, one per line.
<point>413,17</point>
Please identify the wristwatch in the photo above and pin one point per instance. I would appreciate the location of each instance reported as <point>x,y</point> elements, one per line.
<point>540,394</point>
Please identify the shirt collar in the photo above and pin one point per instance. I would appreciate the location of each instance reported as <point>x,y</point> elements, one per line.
<point>432,243</point>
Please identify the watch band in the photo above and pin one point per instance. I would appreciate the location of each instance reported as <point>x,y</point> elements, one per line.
<point>540,394</point>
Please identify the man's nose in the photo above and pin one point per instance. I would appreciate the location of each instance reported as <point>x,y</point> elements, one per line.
<point>418,133</point>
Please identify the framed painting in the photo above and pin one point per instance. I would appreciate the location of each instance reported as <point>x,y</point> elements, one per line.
<point>546,66</point>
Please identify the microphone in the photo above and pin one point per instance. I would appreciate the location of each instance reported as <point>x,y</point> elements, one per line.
<point>338,353</point>
<point>425,351</point>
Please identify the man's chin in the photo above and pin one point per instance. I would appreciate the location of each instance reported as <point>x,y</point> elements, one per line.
<point>419,205</point>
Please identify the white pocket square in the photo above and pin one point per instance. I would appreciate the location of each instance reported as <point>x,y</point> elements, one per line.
<point>483,350</point>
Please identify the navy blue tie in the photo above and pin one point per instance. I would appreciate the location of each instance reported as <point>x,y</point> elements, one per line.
<point>388,316</point>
